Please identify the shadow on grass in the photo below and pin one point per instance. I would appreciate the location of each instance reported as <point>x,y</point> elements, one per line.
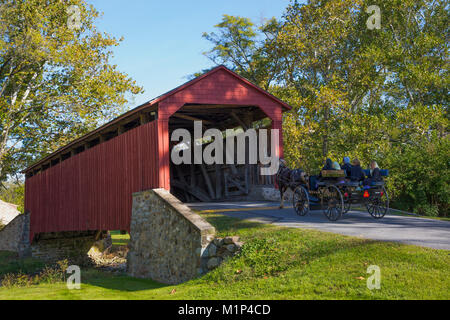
<point>11,263</point>
<point>226,224</point>
<point>120,282</point>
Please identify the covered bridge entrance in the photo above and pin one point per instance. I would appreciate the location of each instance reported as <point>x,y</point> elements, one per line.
<point>88,184</point>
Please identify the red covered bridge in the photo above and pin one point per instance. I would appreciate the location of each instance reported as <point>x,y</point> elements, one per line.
<point>88,184</point>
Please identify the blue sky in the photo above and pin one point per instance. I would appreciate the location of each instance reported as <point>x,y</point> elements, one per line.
<point>163,39</point>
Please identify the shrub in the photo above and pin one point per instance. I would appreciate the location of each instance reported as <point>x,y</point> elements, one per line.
<point>420,175</point>
<point>16,280</point>
<point>50,274</point>
<point>427,210</point>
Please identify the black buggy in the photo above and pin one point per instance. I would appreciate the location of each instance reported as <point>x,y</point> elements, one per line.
<point>335,194</point>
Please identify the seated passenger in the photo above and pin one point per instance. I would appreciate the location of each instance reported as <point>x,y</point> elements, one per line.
<point>328,165</point>
<point>347,167</point>
<point>336,166</point>
<point>374,175</point>
<point>356,173</point>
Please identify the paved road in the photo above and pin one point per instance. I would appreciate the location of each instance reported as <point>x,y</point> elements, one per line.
<point>411,230</point>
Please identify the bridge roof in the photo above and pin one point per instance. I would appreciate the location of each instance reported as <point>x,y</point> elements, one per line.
<point>151,105</point>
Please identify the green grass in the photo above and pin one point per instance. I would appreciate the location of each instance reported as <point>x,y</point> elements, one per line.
<point>421,217</point>
<point>279,263</point>
<point>10,264</point>
<point>119,239</point>
<point>399,213</point>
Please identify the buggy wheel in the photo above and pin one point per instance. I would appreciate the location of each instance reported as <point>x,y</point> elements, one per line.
<point>332,203</point>
<point>347,203</point>
<point>300,201</point>
<point>378,203</point>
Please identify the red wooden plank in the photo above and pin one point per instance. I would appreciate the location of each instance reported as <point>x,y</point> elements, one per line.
<point>93,190</point>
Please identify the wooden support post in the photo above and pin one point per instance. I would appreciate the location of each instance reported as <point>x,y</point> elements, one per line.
<point>218,181</point>
<point>196,192</point>
<point>207,181</point>
<point>193,180</point>
<point>241,123</point>
<point>246,179</point>
<point>234,170</point>
<point>181,178</point>
<point>248,119</point>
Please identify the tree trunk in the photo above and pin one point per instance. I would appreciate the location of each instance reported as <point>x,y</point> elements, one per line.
<point>325,134</point>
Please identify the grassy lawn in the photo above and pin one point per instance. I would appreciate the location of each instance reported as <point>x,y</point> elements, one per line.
<point>399,213</point>
<point>276,263</point>
<point>119,239</point>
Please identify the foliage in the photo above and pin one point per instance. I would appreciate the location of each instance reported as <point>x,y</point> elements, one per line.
<point>239,47</point>
<point>50,274</point>
<point>56,82</point>
<point>13,193</point>
<point>420,176</point>
<point>369,94</point>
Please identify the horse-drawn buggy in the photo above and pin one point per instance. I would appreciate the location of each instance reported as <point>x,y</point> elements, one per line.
<point>333,192</point>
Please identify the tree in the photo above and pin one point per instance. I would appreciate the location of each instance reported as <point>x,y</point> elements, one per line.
<point>376,94</point>
<point>56,82</point>
<point>248,50</point>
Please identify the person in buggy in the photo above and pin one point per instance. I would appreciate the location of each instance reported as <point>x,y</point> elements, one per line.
<point>347,167</point>
<point>374,174</point>
<point>328,165</point>
<point>336,166</point>
<point>356,172</point>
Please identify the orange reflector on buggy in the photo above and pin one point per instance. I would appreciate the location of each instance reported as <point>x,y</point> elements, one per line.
<point>366,194</point>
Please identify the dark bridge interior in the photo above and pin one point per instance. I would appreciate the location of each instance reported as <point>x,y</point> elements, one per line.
<point>206,183</point>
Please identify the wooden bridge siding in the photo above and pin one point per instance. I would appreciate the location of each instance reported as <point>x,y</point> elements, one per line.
<point>93,190</point>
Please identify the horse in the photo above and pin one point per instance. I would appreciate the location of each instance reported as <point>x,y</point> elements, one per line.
<point>288,179</point>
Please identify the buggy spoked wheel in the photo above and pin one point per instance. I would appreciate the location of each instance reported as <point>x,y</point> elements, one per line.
<point>347,203</point>
<point>378,203</point>
<point>300,201</point>
<point>332,203</point>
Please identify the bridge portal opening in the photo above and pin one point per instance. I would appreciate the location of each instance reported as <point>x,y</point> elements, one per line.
<point>216,182</point>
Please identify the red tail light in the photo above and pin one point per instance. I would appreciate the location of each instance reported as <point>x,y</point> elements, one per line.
<point>366,194</point>
<point>382,193</point>
<point>346,195</point>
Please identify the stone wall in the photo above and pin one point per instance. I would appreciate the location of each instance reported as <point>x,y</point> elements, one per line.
<point>221,249</point>
<point>15,236</point>
<point>73,246</point>
<point>168,242</point>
